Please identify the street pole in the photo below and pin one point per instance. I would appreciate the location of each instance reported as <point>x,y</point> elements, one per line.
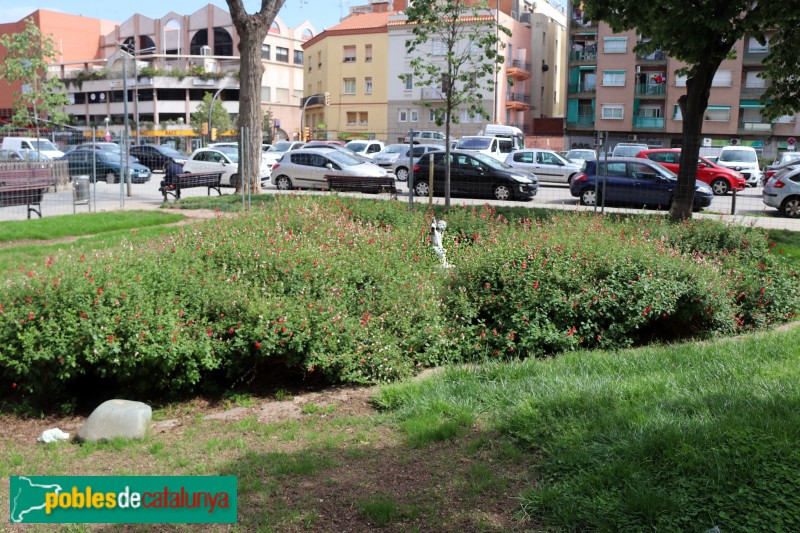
<point>211,108</point>
<point>303,115</point>
<point>126,174</point>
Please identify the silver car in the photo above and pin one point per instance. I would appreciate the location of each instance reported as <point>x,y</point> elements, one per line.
<point>395,157</point>
<point>782,192</point>
<point>307,168</point>
<point>545,164</point>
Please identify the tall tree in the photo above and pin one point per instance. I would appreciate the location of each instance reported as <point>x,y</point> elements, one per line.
<point>220,118</point>
<point>455,53</point>
<point>701,33</point>
<point>43,96</point>
<point>252,30</point>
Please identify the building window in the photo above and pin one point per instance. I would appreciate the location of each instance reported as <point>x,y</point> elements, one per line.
<point>614,78</point>
<point>349,54</point>
<point>413,115</point>
<point>612,112</point>
<point>477,118</point>
<point>680,81</point>
<point>265,52</point>
<point>351,118</point>
<point>349,86</point>
<point>464,116</point>
<point>754,47</point>
<point>409,82</point>
<point>431,115</point>
<point>363,119</point>
<point>615,45</point>
<point>266,94</point>
<point>753,81</point>
<point>677,115</point>
<point>368,52</point>
<point>438,48</point>
<point>298,57</point>
<point>723,78</point>
<point>281,54</point>
<point>402,115</point>
<point>368,85</point>
<point>718,113</point>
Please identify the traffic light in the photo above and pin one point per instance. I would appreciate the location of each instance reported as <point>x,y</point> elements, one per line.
<point>205,128</point>
<point>213,134</point>
<point>306,134</point>
<point>327,98</point>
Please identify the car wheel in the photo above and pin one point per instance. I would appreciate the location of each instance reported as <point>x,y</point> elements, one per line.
<point>720,187</point>
<point>284,183</point>
<point>791,207</point>
<point>421,188</point>
<point>503,192</point>
<point>111,178</point>
<point>588,197</point>
<point>401,173</point>
<point>235,181</point>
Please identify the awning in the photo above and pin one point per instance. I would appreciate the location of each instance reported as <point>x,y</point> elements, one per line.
<point>588,67</point>
<point>751,104</point>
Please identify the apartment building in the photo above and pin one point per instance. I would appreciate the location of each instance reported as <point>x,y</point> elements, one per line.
<point>634,97</point>
<point>349,63</point>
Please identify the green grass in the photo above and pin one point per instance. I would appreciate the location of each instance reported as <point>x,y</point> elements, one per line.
<point>666,438</point>
<point>787,244</point>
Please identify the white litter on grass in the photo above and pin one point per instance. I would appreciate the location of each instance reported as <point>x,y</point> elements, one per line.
<point>52,435</point>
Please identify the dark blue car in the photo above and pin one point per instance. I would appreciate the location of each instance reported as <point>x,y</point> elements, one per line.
<point>632,181</point>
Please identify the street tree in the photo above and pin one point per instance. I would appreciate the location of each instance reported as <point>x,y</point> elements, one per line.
<point>252,30</point>
<point>455,53</point>
<point>42,96</point>
<point>702,34</point>
<point>220,118</point>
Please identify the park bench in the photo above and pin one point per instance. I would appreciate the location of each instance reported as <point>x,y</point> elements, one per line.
<point>25,187</point>
<point>372,185</point>
<point>190,180</point>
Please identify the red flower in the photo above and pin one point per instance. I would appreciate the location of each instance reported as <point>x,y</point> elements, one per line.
<point>258,345</point>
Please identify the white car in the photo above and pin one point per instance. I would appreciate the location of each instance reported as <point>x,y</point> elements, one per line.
<point>276,151</point>
<point>366,148</point>
<point>308,168</point>
<point>395,157</point>
<point>545,164</point>
<point>222,160</point>
<point>579,155</point>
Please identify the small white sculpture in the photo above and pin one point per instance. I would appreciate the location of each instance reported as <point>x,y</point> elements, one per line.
<point>437,232</point>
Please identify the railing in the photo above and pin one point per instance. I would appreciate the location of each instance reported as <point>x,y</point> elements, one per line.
<point>428,93</point>
<point>650,123</point>
<point>521,65</point>
<point>659,89</point>
<point>583,55</point>
<point>753,89</point>
<point>755,55</point>
<point>520,97</point>
<point>582,121</point>
<point>575,88</point>
<point>755,127</point>
<point>658,55</point>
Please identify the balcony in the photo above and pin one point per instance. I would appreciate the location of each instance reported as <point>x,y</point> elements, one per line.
<point>582,121</point>
<point>648,123</point>
<point>754,90</point>
<point>754,57</point>
<point>518,102</point>
<point>519,70</point>
<point>755,128</point>
<point>584,56</point>
<point>429,93</point>
<point>579,21</point>
<point>658,57</point>
<point>649,89</point>
<point>581,88</point>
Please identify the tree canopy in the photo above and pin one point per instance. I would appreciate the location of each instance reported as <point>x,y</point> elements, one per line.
<point>220,118</point>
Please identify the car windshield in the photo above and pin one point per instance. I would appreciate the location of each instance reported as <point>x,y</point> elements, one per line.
<point>343,159</point>
<point>474,143</point>
<point>282,146</point>
<point>491,161</point>
<point>107,156</point>
<point>396,149</point>
<point>789,157</point>
<point>233,156</point>
<point>356,146</point>
<point>581,154</point>
<point>746,156</point>
<point>170,152</point>
<point>44,144</point>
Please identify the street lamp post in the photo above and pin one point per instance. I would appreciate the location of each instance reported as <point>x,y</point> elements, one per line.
<point>148,50</point>
<point>126,174</point>
<point>211,108</point>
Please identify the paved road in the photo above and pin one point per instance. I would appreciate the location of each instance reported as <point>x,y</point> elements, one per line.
<point>104,197</point>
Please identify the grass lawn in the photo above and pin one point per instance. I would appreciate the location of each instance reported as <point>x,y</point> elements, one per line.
<point>681,437</point>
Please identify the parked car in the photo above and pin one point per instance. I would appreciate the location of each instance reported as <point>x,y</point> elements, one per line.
<point>22,154</point>
<point>366,148</point>
<point>235,146</point>
<point>579,155</point>
<point>34,144</point>
<point>277,150</point>
<point>474,175</point>
<point>215,160</point>
<point>306,168</point>
<point>743,159</point>
<point>105,146</point>
<point>545,164</point>
<point>395,157</point>
<point>628,149</point>
<point>721,179</point>
<point>769,171</point>
<point>156,157</point>
<point>103,165</point>
<point>786,158</point>
<point>328,145</point>
<point>782,191</point>
<point>632,181</point>
<point>425,137</point>
<point>495,147</point>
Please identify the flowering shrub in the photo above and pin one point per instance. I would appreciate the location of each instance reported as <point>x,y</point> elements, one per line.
<point>351,291</point>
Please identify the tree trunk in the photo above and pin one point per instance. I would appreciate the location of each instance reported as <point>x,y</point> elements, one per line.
<point>693,108</point>
<point>252,30</point>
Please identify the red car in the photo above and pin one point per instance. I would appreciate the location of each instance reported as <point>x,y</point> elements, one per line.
<point>722,180</point>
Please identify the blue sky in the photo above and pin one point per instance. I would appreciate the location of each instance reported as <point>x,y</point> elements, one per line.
<point>322,13</point>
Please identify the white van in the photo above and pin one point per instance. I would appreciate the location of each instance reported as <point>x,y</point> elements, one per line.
<point>425,137</point>
<point>743,159</point>
<point>506,132</point>
<point>32,143</point>
<point>496,147</point>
